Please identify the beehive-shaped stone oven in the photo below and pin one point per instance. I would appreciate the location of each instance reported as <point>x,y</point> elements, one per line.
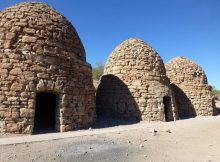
<point>189,83</point>
<point>45,82</point>
<point>134,84</point>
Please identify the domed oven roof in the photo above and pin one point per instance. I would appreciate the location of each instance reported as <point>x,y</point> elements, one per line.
<point>135,54</point>
<point>183,70</point>
<point>36,28</point>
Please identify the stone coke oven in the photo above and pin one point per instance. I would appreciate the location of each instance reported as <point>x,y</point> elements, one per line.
<point>193,95</point>
<point>134,84</point>
<point>45,80</point>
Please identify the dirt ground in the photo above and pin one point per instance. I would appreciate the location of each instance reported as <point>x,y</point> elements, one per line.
<point>190,140</point>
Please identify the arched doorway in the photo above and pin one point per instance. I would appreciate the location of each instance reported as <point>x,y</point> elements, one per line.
<point>168,108</point>
<point>45,112</point>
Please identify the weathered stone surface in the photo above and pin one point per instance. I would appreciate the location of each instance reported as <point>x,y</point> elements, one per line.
<point>29,39</point>
<point>7,44</point>
<point>42,52</point>
<point>41,86</point>
<point>27,113</point>
<point>12,127</point>
<point>29,31</point>
<point>17,87</point>
<point>189,83</point>
<point>16,71</point>
<point>134,83</point>
<point>4,72</point>
<point>10,36</point>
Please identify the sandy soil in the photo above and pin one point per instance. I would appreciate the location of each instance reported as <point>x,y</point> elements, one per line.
<point>190,140</point>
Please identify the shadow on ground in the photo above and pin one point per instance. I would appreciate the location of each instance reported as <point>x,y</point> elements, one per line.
<point>105,122</point>
<point>45,131</point>
<point>217,103</point>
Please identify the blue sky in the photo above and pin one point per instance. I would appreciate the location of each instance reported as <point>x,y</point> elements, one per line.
<point>174,28</point>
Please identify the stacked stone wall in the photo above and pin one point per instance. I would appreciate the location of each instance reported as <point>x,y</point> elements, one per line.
<point>134,83</point>
<point>40,51</point>
<point>192,92</point>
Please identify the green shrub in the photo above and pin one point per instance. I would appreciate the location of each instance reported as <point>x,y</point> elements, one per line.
<point>97,71</point>
<point>215,90</point>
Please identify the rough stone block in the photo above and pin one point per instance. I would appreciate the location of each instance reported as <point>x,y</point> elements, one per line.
<point>26,113</point>
<point>12,127</point>
<point>17,87</point>
<point>29,31</point>
<point>29,39</point>
<point>15,71</point>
